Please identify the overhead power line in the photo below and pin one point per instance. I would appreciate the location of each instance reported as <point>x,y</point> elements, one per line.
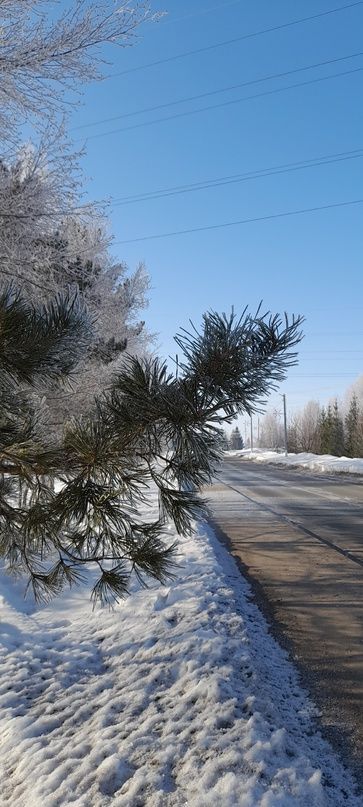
<point>232,102</point>
<point>241,38</point>
<point>76,253</point>
<point>285,168</point>
<point>240,222</point>
<point>229,88</point>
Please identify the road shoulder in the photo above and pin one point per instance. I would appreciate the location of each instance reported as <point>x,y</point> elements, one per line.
<point>312,605</point>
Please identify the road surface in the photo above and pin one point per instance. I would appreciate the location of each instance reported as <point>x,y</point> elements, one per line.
<point>299,539</point>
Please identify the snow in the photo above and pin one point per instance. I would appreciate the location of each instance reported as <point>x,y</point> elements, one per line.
<point>179,696</point>
<point>325,463</point>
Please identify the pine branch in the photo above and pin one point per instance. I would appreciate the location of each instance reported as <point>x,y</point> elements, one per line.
<point>151,557</point>
<point>112,585</point>
<point>51,584</point>
<point>239,360</point>
<point>181,506</point>
<point>41,343</point>
<point>151,426</point>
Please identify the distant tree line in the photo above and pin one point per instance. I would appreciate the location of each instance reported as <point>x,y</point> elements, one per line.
<point>333,429</point>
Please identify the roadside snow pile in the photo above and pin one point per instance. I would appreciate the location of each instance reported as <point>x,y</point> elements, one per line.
<point>316,462</point>
<point>179,696</point>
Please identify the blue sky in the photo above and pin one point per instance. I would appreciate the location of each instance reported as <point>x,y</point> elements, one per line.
<point>309,263</point>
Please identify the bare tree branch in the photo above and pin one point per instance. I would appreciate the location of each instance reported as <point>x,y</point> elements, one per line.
<point>41,60</point>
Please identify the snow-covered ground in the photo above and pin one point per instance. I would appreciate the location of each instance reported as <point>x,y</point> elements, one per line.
<point>316,462</point>
<point>177,697</point>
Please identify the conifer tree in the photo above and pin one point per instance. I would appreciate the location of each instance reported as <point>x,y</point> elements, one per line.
<point>337,432</point>
<point>325,430</point>
<point>152,427</point>
<point>353,443</point>
<point>224,441</point>
<point>235,440</point>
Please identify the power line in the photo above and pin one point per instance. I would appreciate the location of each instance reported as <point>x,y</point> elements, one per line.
<point>226,103</point>
<point>269,77</point>
<point>241,38</point>
<point>237,178</point>
<point>256,219</point>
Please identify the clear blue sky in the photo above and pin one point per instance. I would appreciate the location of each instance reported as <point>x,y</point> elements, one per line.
<point>312,263</point>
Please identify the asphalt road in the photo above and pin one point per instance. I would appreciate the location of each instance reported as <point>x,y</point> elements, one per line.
<point>299,539</point>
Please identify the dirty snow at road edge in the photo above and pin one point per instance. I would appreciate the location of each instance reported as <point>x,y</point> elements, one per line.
<point>325,463</point>
<point>178,697</point>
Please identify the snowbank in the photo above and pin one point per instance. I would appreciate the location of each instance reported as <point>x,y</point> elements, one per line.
<point>316,462</point>
<point>179,696</point>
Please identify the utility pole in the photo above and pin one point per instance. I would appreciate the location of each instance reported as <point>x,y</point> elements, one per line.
<point>251,433</point>
<point>285,423</point>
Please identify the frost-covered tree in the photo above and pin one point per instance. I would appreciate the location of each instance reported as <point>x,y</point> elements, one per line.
<point>45,57</point>
<point>293,434</point>
<point>79,258</point>
<point>303,429</point>
<point>50,240</point>
<point>49,251</point>
<point>271,431</point>
<point>355,389</point>
<point>151,427</point>
<point>309,427</point>
<point>39,187</point>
